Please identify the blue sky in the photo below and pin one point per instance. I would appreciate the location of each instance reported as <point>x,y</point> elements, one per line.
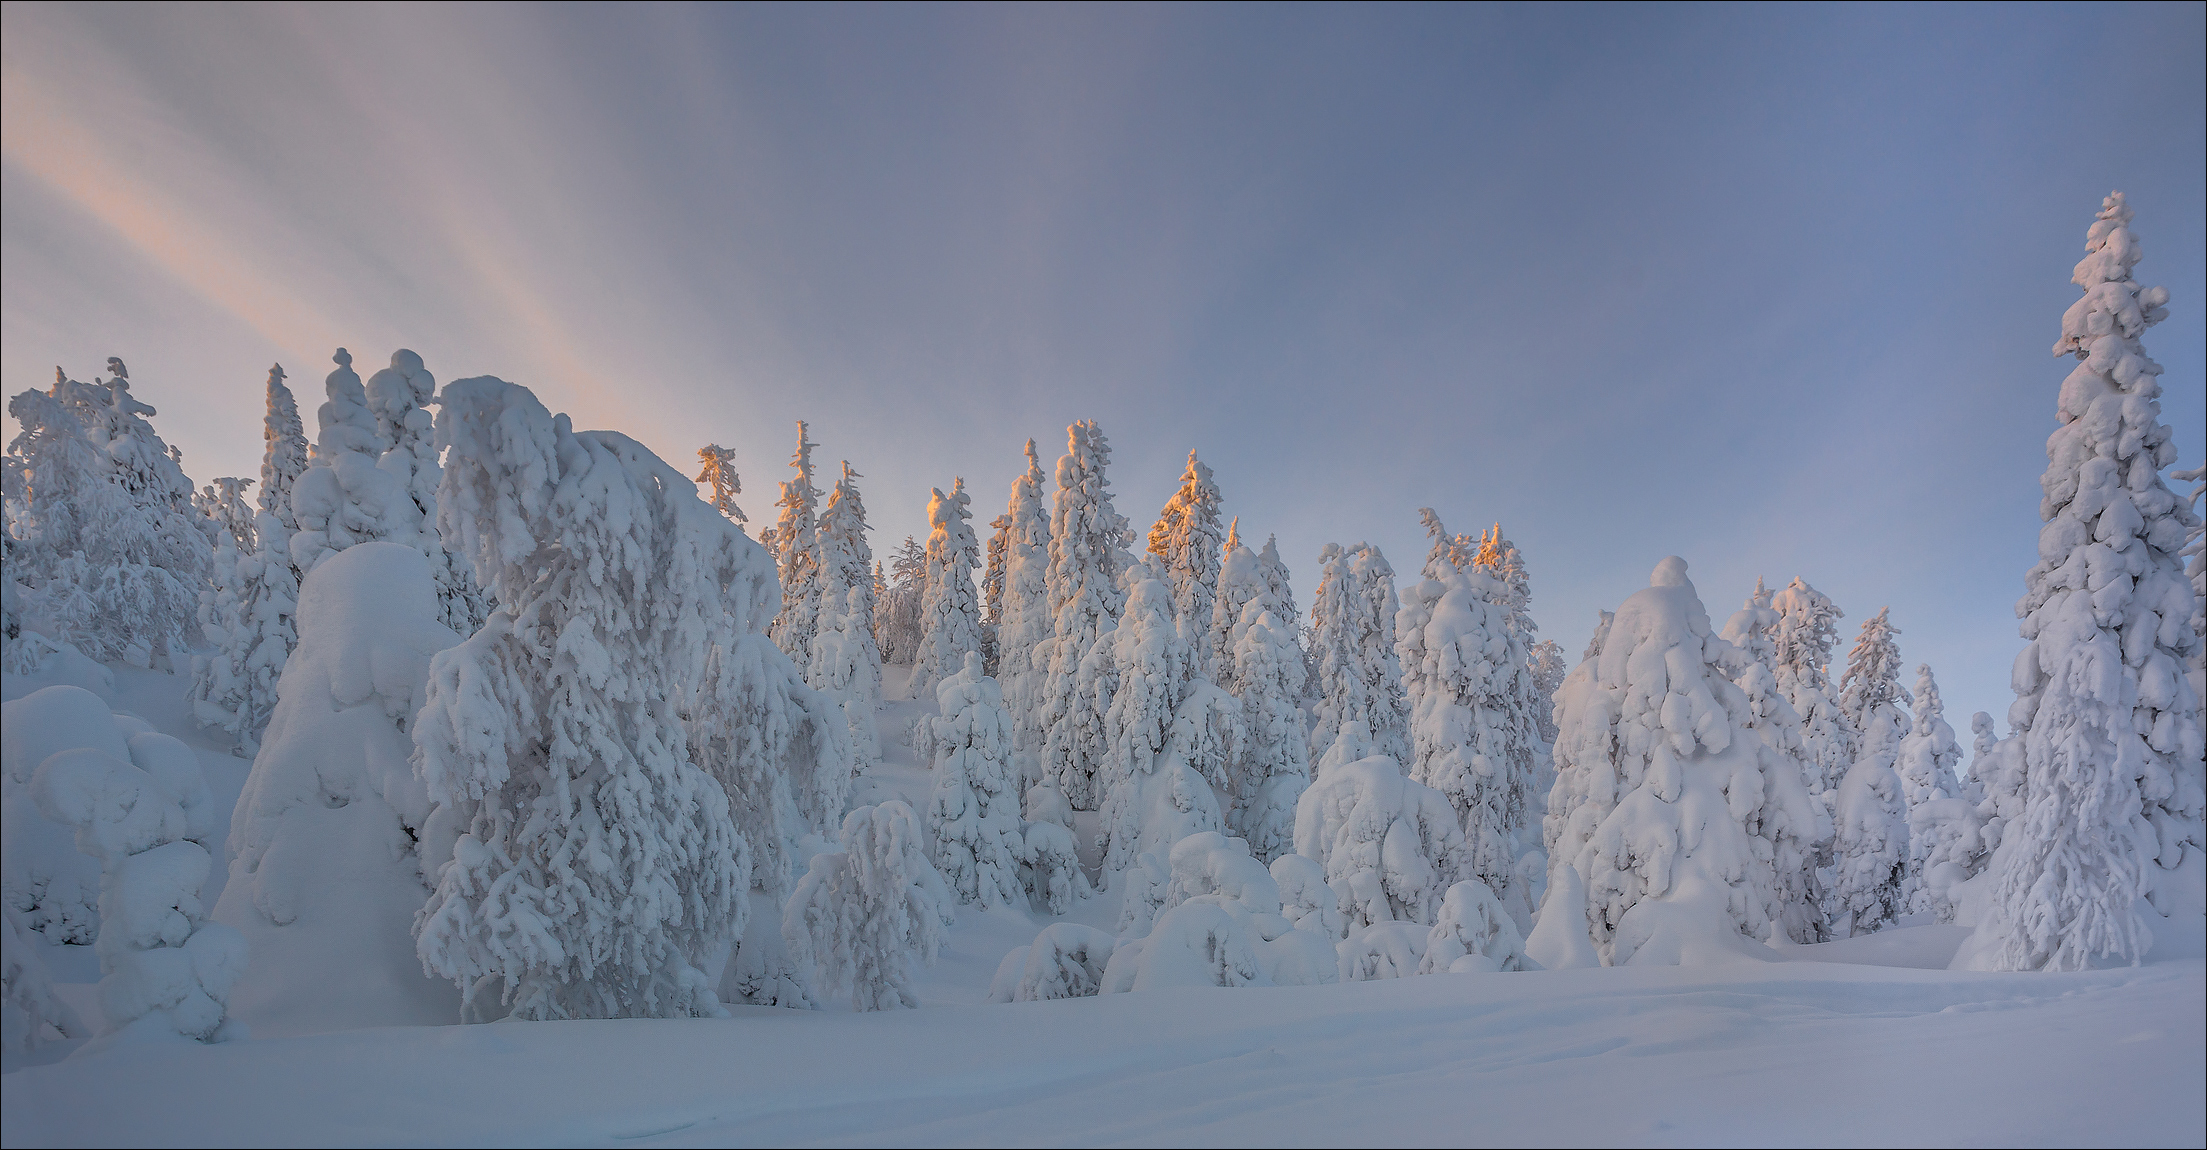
<point>1770,288</point>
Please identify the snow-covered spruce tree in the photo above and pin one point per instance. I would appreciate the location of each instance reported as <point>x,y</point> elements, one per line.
<point>1152,797</point>
<point>1797,823</point>
<point>1806,632</point>
<point>861,916</point>
<point>1270,764</point>
<point>2108,723</point>
<point>1353,644</point>
<point>796,546</point>
<point>343,497</point>
<point>150,472</point>
<point>2195,567</point>
<point>717,469</point>
<point>1084,597</point>
<point>1473,734</point>
<point>223,503</point>
<point>327,862</point>
<point>116,578</point>
<point>995,553</point>
<point>973,814</point>
<point>1549,668</point>
<point>1239,583</point>
<point>598,868</point>
<point>1870,812</point>
<point>1024,623</point>
<point>1572,789</point>
<point>1671,831</point>
<point>1500,558</point>
<point>219,683</point>
<point>897,625</point>
<point>1334,649</point>
<point>1927,768</point>
<point>146,818</point>
<point>846,662</point>
<point>1187,536</point>
<point>256,648</point>
<point>400,396</point>
<point>1390,848</point>
<point>950,612</point>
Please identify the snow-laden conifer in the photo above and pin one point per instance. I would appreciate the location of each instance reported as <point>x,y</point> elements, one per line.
<point>864,916</point>
<point>1084,597</point>
<point>400,396</point>
<point>2108,724</point>
<point>1152,797</point>
<point>1670,830</point>
<point>256,647</point>
<point>1353,639</point>
<point>1870,811</point>
<point>897,618</point>
<point>796,546</point>
<point>1798,824</point>
<point>1270,765</point>
<point>1187,536</point>
<point>343,497</point>
<point>1024,624</point>
<point>717,469</point>
<point>1240,582</point>
<point>846,661</point>
<point>598,869</point>
<point>994,554</point>
<point>1549,668</point>
<point>1929,779</point>
<point>1807,629</point>
<point>1390,847</point>
<point>973,814</point>
<point>1474,738</point>
<point>950,612</point>
<point>330,851</point>
<point>219,683</point>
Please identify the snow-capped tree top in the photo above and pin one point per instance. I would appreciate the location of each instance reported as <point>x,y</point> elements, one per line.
<point>345,422</point>
<point>910,563</point>
<point>1601,636</point>
<point>843,548</point>
<point>952,538</point>
<point>396,394</point>
<point>1190,519</point>
<point>1754,627</point>
<point>2103,326</point>
<point>113,420</point>
<point>1872,680</point>
<point>717,466</point>
<point>793,531</point>
<point>285,450</point>
<point>1807,630</point>
<point>1456,551</point>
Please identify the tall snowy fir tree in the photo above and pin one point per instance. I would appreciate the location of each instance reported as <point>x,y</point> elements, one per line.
<point>1188,536</point>
<point>717,469</point>
<point>1667,837</point>
<point>994,554</point>
<point>2108,724</point>
<point>343,497</point>
<point>1270,765</point>
<point>1082,589</point>
<point>897,610</point>
<point>400,396</point>
<point>1474,738</point>
<point>1870,808</point>
<point>1807,629</point>
<point>1024,624</point>
<point>1799,825</point>
<point>846,661</point>
<point>219,681</point>
<point>796,546</point>
<point>950,612</point>
<point>1151,795</point>
<point>1928,766</point>
<point>973,812</point>
<point>1240,582</point>
<point>267,630</point>
<point>596,870</point>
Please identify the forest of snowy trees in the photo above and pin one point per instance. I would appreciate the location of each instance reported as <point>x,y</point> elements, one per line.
<point>539,728</point>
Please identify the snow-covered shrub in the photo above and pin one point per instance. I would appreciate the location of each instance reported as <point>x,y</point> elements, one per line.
<point>54,888</point>
<point>165,971</point>
<point>1187,537</point>
<point>950,612</point>
<point>973,816</point>
<point>1472,933</point>
<point>598,869</point>
<point>330,858</point>
<point>1085,599</point>
<point>2108,723</point>
<point>1562,935</point>
<point>28,1007</point>
<point>1389,847</point>
<point>1270,766</point>
<point>1383,950</point>
<point>863,916</point>
<point>1066,960</point>
<point>1667,823</point>
<point>1306,899</point>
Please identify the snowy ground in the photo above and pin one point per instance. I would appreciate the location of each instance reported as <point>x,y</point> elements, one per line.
<point>1864,1041</point>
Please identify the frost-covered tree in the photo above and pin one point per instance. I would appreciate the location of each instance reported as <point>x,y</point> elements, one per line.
<point>1549,668</point>
<point>1926,765</point>
<point>1024,624</point>
<point>328,859</point>
<point>897,623</point>
<point>1799,825</point>
<point>149,471</point>
<point>165,971</point>
<point>343,497</point>
<point>598,869</point>
<point>1082,589</point>
<point>1870,812</point>
<point>1806,631</point>
<point>717,469</point>
<point>1870,692</point>
<point>1669,824</point>
<point>1474,736</point>
<point>2108,724</point>
<point>1353,641</point>
<point>846,661</point>
<point>2195,567</point>
<point>796,545</point>
<point>1270,765</point>
<point>224,505</point>
<point>994,555</point>
<point>1390,848</point>
<point>973,814</point>
<point>400,396</point>
<point>1187,536</point>
<point>115,575</point>
<point>950,612</point>
<point>865,915</point>
<point>219,684</point>
<point>1152,796</point>
<point>1240,582</point>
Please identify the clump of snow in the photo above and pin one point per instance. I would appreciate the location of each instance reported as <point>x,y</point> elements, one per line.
<point>1472,933</point>
<point>1390,848</point>
<point>1067,960</point>
<point>30,1013</point>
